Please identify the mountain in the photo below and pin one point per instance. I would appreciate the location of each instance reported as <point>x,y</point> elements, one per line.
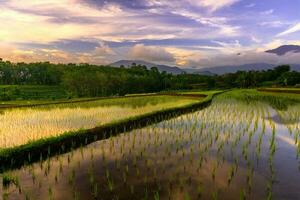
<point>234,68</point>
<point>282,50</point>
<point>208,71</point>
<point>205,73</point>
<point>246,67</point>
<point>161,68</point>
<point>194,70</point>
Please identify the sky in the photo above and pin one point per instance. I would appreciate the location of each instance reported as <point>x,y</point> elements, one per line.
<point>185,33</point>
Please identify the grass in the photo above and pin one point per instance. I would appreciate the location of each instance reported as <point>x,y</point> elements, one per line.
<point>210,92</point>
<point>281,90</point>
<point>22,125</point>
<point>28,103</point>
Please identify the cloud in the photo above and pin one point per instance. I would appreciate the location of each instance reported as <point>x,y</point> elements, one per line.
<point>213,27</point>
<point>244,58</point>
<point>31,21</point>
<point>103,50</point>
<point>15,54</point>
<point>151,53</point>
<point>292,29</point>
<point>230,47</point>
<point>213,5</point>
<point>268,12</point>
<point>274,24</point>
<point>255,39</point>
<point>251,5</point>
<point>99,31</point>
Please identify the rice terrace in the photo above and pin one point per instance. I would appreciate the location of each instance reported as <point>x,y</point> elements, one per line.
<point>149,100</point>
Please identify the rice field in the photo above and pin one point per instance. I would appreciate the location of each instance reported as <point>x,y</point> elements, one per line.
<point>230,150</point>
<point>22,125</point>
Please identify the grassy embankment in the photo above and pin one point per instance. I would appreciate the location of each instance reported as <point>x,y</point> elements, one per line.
<point>279,101</point>
<point>31,92</point>
<point>280,90</point>
<point>46,147</point>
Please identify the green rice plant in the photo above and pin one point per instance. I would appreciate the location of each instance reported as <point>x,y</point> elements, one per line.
<point>231,174</point>
<point>187,196</point>
<point>110,184</point>
<point>124,178</point>
<point>27,197</point>
<point>249,178</point>
<point>146,194</point>
<point>298,150</point>
<point>71,178</point>
<point>33,175</point>
<point>56,178</point>
<point>215,195</point>
<point>156,195</point>
<point>269,191</point>
<point>214,169</point>
<point>5,195</point>
<point>50,193</point>
<point>76,195</point>
<point>95,191</point>
<point>9,179</point>
<point>243,195</point>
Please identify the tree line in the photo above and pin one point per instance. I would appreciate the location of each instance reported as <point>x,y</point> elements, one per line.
<point>92,80</point>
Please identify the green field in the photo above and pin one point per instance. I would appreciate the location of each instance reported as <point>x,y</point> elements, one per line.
<point>31,92</point>
<point>22,125</point>
<point>286,91</point>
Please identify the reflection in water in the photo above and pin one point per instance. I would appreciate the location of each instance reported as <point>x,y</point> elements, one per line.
<point>227,151</point>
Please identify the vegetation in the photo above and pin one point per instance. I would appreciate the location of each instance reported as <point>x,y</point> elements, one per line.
<point>32,92</point>
<point>278,101</point>
<point>281,90</point>
<point>84,80</point>
<point>20,126</point>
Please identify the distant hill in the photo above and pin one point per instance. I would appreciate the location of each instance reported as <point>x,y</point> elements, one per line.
<point>208,71</point>
<point>195,70</point>
<point>161,68</point>
<point>246,67</point>
<point>282,50</point>
<point>234,68</point>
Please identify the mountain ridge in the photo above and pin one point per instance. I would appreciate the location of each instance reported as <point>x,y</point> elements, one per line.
<point>208,71</point>
<point>149,65</point>
<point>284,49</point>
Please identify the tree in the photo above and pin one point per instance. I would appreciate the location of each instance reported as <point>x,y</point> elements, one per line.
<point>289,78</point>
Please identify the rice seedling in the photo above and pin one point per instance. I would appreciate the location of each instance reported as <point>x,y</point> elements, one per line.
<point>50,193</point>
<point>8,179</point>
<point>231,174</point>
<point>243,195</point>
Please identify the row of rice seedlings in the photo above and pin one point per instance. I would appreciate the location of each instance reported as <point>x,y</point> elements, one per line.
<point>291,118</point>
<point>22,125</point>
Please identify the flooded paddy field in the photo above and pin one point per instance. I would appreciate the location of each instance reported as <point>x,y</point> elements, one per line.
<point>230,150</point>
